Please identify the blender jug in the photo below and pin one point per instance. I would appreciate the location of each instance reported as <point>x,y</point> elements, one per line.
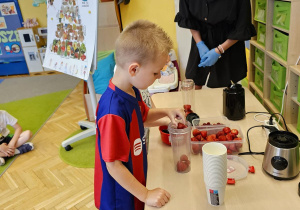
<point>234,102</point>
<point>188,94</point>
<point>188,97</point>
<point>181,146</point>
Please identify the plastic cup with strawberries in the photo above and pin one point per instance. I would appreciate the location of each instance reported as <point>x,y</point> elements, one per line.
<point>180,138</point>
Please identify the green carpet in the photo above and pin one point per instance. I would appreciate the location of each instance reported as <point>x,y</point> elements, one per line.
<point>32,113</point>
<point>83,153</point>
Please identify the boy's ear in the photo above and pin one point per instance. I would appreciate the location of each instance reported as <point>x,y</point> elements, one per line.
<point>133,69</point>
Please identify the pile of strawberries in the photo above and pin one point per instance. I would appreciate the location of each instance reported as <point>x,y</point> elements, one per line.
<point>183,164</point>
<point>224,134</point>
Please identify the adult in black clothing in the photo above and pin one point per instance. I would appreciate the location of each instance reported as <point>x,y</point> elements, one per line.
<point>219,29</point>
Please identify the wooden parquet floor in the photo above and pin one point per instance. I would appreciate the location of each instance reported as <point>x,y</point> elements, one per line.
<point>40,179</point>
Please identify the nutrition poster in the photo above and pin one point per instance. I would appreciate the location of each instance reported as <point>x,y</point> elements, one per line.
<point>71,36</point>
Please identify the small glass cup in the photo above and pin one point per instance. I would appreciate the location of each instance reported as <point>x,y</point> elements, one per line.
<point>181,145</point>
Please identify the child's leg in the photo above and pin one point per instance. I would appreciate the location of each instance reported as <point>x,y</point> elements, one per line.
<point>24,137</point>
<point>22,146</point>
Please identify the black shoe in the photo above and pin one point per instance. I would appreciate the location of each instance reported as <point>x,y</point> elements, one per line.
<point>25,147</point>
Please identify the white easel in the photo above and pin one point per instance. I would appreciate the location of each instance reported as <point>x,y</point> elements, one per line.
<point>91,126</point>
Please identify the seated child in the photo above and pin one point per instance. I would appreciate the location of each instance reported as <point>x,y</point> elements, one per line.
<point>15,144</point>
<point>120,157</point>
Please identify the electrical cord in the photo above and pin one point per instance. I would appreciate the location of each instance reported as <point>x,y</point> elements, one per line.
<point>283,97</point>
<point>271,117</point>
<point>262,126</point>
<point>258,115</point>
<point>250,151</point>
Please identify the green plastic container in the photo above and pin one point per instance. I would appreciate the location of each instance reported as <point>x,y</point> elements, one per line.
<point>259,58</point>
<point>298,122</point>
<point>278,73</point>
<point>281,15</point>
<point>260,10</point>
<point>259,98</point>
<point>259,79</point>
<point>280,44</point>
<point>276,95</point>
<point>261,34</point>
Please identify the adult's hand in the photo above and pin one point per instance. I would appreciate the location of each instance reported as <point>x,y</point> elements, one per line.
<point>210,58</point>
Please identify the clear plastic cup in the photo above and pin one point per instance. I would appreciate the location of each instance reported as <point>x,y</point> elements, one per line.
<point>180,140</point>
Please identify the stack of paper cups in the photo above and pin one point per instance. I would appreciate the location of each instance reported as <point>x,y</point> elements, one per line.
<point>215,171</point>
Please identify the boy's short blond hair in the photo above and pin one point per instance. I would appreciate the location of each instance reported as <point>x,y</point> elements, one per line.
<point>142,41</point>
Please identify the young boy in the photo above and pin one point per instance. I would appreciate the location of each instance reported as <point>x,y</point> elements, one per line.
<point>121,160</point>
<point>11,145</point>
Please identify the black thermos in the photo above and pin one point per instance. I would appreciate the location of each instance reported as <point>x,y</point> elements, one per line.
<point>234,102</point>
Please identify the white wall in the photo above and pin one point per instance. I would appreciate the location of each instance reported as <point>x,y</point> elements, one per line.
<point>184,44</point>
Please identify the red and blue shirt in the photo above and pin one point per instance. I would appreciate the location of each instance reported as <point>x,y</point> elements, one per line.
<point>120,129</point>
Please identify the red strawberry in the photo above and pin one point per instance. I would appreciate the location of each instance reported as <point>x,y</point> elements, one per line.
<point>229,136</point>
<point>199,137</point>
<point>187,107</point>
<point>211,137</point>
<point>184,158</point>
<point>188,112</point>
<point>238,145</point>
<point>194,139</point>
<point>196,132</point>
<point>220,133</point>
<point>233,148</point>
<point>181,166</point>
<point>229,152</point>
<point>226,130</point>
<point>237,138</point>
<point>234,132</point>
<point>222,138</point>
<point>196,149</point>
<point>203,134</point>
<point>181,126</point>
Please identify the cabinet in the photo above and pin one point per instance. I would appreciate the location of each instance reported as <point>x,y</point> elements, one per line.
<point>278,45</point>
<point>31,41</point>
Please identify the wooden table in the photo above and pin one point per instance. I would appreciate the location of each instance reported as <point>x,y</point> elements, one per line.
<point>257,191</point>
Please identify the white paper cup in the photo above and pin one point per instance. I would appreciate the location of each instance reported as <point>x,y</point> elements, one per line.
<point>215,164</point>
<point>215,195</point>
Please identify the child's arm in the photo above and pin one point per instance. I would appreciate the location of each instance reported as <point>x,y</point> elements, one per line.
<point>158,113</point>
<point>156,197</point>
<point>159,122</point>
<point>13,141</point>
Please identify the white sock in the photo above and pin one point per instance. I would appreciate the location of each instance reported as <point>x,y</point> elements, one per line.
<point>17,152</point>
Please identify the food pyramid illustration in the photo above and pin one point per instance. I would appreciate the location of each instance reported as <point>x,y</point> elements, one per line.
<point>69,41</point>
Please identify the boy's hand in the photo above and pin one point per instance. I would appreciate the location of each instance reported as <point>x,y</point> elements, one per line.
<point>175,114</point>
<point>157,197</point>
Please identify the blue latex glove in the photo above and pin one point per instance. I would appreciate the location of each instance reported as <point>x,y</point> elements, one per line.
<point>209,59</point>
<point>202,49</point>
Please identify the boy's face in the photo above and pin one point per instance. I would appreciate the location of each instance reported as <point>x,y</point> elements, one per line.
<point>148,73</point>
